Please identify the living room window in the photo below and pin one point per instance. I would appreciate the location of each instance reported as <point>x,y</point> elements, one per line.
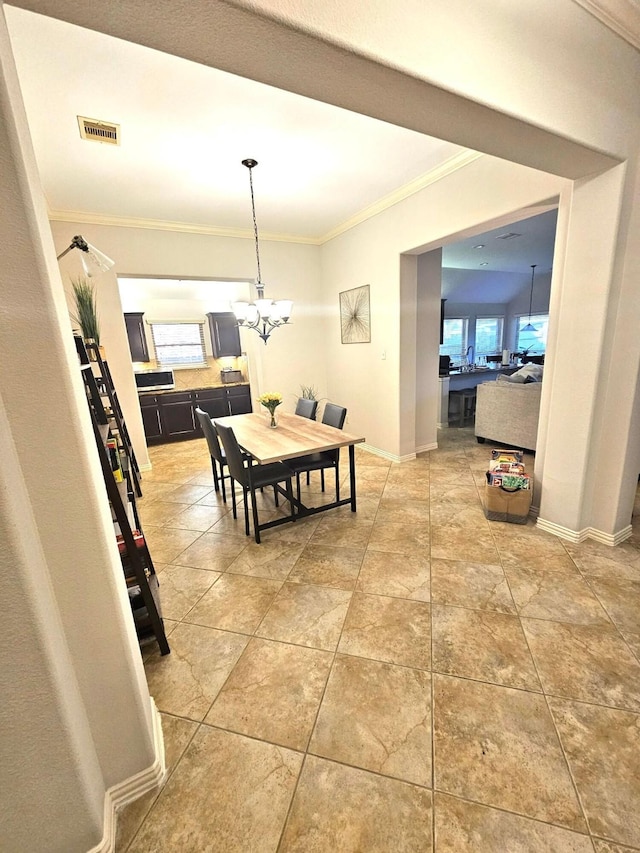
<point>455,333</point>
<point>179,344</point>
<point>489,331</point>
<point>533,342</point>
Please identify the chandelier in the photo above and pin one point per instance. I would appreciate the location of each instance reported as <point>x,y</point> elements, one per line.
<point>263,315</point>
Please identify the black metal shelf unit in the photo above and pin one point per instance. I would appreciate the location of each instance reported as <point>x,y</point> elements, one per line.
<point>105,390</point>
<point>138,569</point>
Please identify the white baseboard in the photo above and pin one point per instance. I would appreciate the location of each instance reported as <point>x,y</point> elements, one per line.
<point>385,455</point>
<point>394,457</point>
<point>130,789</point>
<point>425,448</point>
<point>586,533</point>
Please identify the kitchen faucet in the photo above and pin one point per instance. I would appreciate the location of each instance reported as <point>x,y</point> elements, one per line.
<point>469,363</point>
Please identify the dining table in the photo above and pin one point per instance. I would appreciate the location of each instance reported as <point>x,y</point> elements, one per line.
<point>293,437</point>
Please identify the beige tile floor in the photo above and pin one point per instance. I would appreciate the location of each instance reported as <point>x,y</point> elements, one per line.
<point>410,678</point>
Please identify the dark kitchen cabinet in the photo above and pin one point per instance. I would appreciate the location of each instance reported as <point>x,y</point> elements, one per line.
<point>171,416</point>
<point>135,333</point>
<point>150,409</point>
<point>177,415</point>
<point>239,400</point>
<point>213,401</point>
<point>225,335</point>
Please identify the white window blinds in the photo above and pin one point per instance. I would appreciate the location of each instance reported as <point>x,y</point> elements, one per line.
<point>179,344</point>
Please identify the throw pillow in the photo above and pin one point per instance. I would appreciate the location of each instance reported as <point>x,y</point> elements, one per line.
<point>535,370</point>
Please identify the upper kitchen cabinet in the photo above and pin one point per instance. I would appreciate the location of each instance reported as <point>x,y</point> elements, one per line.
<point>225,335</point>
<point>137,339</point>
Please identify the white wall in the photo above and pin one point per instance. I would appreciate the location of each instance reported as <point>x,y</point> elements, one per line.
<point>76,715</point>
<point>370,253</point>
<point>489,64</point>
<point>427,349</point>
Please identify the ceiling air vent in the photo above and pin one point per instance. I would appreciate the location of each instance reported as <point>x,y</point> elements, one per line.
<point>99,131</point>
<point>508,236</point>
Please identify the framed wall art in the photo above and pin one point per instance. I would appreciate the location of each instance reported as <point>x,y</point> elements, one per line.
<point>355,317</point>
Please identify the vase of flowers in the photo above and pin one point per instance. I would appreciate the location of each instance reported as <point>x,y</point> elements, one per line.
<point>271,402</point>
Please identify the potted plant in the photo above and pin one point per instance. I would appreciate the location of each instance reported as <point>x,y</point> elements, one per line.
<point>308,392</point>
<point>86,312</point>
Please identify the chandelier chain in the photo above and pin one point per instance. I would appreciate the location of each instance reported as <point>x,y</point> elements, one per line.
<point>255,225</point>
<point>264,315</point>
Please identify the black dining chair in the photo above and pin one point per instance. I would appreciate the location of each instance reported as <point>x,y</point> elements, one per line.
<point>306,408</point>
<point>218,459</point>
<point>251,477</point>
<point>332,416</point>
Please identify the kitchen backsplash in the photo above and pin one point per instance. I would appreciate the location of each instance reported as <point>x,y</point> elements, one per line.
<point>201,377</point>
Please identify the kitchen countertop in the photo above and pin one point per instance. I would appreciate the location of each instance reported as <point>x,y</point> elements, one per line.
<point>142,393</point>
<point>506,369</point>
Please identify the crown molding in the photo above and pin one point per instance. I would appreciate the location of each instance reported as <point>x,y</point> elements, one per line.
<point>82,217</point>
<point>458,161</point>
<point>621,16</point>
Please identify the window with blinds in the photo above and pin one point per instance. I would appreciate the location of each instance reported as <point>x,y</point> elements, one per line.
<point>455,332</point>
<point>488,336</point>
<point>179,344</point>
<point>534,341</point>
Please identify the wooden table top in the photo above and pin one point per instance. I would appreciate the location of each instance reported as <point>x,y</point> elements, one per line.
<point>294,436</point>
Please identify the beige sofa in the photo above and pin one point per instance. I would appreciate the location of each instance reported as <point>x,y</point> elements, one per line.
<point>508,413</point>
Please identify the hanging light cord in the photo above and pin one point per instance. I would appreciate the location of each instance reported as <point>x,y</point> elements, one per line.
<point>259,284</point>
<point>533,269</point>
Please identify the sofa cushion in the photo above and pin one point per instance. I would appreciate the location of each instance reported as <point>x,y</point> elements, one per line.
<point>528,373</point>
<point>534,371</point>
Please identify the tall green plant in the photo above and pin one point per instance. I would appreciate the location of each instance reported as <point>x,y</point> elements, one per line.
<point>308,392</point>
<point>86,313</point>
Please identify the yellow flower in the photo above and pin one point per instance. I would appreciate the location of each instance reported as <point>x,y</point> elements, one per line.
<point>270,401</point>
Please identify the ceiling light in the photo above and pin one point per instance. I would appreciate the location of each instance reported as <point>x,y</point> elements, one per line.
<point>530,327</point>
<point>263,315</point>
<point>479,246</point>
<point>509,236</point>
<point>484,264</point>
<point>93,261</point>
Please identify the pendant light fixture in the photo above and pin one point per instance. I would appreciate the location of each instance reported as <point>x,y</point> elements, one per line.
<point>530,327</point>
<point>263,315</point>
